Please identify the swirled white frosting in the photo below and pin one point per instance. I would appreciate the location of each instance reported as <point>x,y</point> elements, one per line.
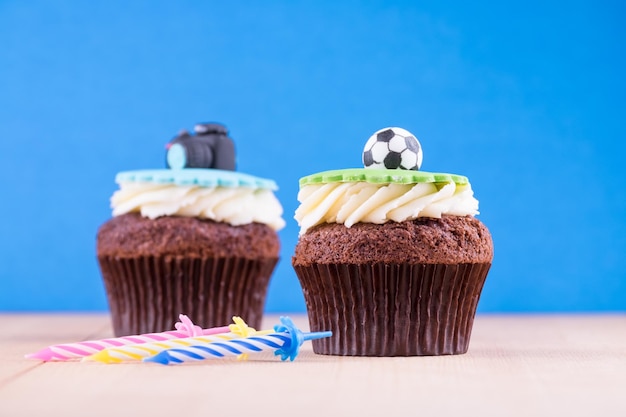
<point>233,205</point>
<point>348,203</point>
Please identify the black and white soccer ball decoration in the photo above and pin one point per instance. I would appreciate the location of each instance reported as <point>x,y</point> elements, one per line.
<point>392,148</point>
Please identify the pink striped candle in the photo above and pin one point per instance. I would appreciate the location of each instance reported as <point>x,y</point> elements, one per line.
<point>67,351</point>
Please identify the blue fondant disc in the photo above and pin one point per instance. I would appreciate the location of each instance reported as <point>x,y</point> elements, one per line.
<point>196,176</point>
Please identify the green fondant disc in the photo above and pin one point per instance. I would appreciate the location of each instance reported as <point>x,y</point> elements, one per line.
<point>196,176</point>
<point>381,176</point>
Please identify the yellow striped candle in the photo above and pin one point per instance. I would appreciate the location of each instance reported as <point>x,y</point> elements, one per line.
<point>137,352</point>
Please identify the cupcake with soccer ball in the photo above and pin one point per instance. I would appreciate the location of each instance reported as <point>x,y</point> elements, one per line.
<point>391,259</point>
<point>198,239</point>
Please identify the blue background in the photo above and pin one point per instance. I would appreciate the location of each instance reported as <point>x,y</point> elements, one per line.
<point>527,99</point>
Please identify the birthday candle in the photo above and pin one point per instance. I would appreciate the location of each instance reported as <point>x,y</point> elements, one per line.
<point>137,352</point>
<point>62,352</point>
<point>285,341</point>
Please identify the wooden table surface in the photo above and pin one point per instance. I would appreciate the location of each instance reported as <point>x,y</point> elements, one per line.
<point>516,366</point>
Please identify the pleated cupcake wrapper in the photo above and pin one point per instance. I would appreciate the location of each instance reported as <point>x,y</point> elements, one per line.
<point>146,294</point>
<point>392,310</point>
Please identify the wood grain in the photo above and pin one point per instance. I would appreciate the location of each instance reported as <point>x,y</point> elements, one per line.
<point>516,366</point>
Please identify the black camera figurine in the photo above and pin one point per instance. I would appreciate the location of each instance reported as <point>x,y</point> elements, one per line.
<point>209,147</point>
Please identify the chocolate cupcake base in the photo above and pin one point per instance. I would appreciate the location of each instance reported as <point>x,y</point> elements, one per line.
<point>147,293</point>
<point>392,309</point>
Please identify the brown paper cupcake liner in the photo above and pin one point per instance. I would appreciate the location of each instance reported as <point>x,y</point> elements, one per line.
<point>147,294</point>
<point>392,310</point>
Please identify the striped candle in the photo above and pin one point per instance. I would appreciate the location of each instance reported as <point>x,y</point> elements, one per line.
<point>138,352</point>
<point>67,351</point>
<point>284,341</point>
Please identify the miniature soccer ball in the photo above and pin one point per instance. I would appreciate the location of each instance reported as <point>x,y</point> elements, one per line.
<point>392,148</point>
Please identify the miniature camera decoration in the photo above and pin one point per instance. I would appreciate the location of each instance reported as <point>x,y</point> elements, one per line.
<point>392,148</point>
<point>208,147</point>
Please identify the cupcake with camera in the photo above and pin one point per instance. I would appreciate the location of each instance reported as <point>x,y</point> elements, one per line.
<point>391,259</point>
<point>197,238</point>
